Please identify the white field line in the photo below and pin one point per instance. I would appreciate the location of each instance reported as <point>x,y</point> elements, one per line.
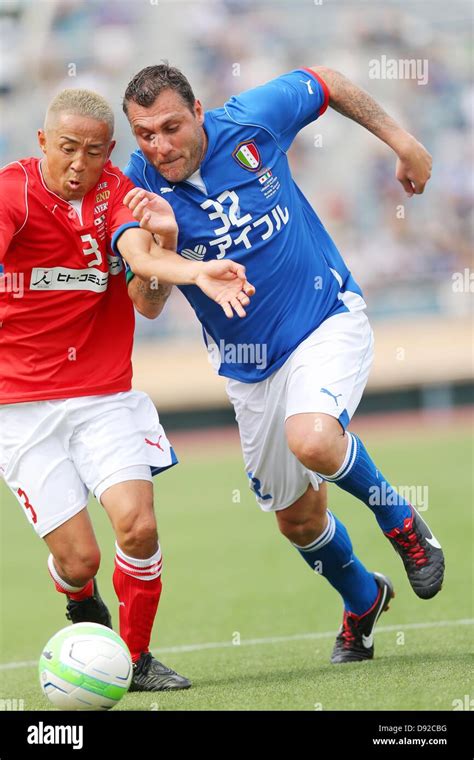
<point>270,640</point>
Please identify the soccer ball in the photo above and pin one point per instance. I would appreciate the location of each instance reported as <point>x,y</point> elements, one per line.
<point>85,666</point>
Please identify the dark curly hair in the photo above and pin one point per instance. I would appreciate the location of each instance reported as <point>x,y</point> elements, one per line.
<point>145,86</point>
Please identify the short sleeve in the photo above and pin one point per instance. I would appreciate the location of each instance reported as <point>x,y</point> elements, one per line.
<point>7,227</point>
<point>283,106</point>
<point>132,171</point>
<point>13,204</point>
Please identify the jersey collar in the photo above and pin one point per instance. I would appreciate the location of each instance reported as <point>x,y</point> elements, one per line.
<point>55,195</point>
<point>51,192</point>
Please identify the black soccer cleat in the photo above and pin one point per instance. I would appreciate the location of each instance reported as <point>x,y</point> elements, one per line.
<point>151,675</point>
<point>421,554</point>
<point>355,640</point>
<point>91,610</point>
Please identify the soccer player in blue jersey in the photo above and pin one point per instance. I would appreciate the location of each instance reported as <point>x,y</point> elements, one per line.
<point>298,364</point>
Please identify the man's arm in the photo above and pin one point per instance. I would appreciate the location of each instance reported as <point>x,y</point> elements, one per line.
<point>414,162</point>
<point>154,257</point>
<point>147,298</point>
<point>154,263</point>
<point>223,281</point>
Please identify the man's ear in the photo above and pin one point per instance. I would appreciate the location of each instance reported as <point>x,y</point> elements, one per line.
<point>42,139</point>
<point>111,147</point>
<point>199,111</point>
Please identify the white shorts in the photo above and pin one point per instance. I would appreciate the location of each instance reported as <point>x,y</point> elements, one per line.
<point>326,373</point>
<point>52,453</point>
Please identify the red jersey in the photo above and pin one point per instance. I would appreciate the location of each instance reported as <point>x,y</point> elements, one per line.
<point>66,321</point>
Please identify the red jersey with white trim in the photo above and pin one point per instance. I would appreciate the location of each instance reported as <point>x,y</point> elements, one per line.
<point>66,321</point>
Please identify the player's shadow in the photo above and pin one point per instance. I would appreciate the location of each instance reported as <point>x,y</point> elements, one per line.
<point>267,676</point>
<point>423,659</point>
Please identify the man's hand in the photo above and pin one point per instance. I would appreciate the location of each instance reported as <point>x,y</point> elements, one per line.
<point>413,164</point>
<point>225,282</point>
<point>152,211</point>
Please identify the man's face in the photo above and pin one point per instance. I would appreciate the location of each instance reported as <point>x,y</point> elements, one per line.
<point>170,135</point>
<point>76,150</point>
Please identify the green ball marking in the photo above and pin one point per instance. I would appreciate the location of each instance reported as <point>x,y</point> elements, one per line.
<point>75,676</point>
<point>87,682</point>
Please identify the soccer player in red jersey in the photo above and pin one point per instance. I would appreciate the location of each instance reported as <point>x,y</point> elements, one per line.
<point>70,421</point>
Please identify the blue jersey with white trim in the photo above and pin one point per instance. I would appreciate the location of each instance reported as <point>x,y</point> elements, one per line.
<point>254,213</point>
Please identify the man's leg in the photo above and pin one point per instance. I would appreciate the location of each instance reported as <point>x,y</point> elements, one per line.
<point>298,497</point>
<point>41,474</point>
<point>324,543</point>
<point>117,443</point>
<point>321,445</point>
<point>73,563</point>
<point>137,579</point>
<point>137,574</point>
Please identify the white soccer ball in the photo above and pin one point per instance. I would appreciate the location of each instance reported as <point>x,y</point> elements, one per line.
<point>85,666</point>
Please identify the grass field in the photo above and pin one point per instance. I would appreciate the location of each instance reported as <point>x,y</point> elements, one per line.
<point>228,573</point>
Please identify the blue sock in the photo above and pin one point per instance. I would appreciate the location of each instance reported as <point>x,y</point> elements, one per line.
<point>359,476</point>
<point>331,555</point>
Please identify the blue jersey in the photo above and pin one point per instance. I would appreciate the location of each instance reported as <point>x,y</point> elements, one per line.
<point>253,212</point>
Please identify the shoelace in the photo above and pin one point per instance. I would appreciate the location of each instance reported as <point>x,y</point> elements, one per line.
<point>143,664</point>
<point>349,624</point>
<point>411,543</point>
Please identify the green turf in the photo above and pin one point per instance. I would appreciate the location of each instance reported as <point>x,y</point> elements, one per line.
<point>228,574</point>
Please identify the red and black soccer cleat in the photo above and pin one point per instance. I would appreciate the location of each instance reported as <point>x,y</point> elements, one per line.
<point>421,554</point>
<point>355,640</point>
<point>91,610</point>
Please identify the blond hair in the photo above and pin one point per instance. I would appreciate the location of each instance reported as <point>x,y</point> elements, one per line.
<point>80,103</point>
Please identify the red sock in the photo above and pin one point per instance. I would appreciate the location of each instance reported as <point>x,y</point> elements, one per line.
<point>137,583</point>
<point>73,592</point>
<point>79,596</point>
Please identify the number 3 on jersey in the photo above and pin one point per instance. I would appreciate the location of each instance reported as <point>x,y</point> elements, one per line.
<point>92,251</point>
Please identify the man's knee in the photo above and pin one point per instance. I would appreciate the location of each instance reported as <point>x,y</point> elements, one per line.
<point>137,533</point>
<point>306,519</point>
<point>301,532</point>
<point>317,441</point>
<point>78,566</point>
<point>316,452</point>
<point>129,506</point>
